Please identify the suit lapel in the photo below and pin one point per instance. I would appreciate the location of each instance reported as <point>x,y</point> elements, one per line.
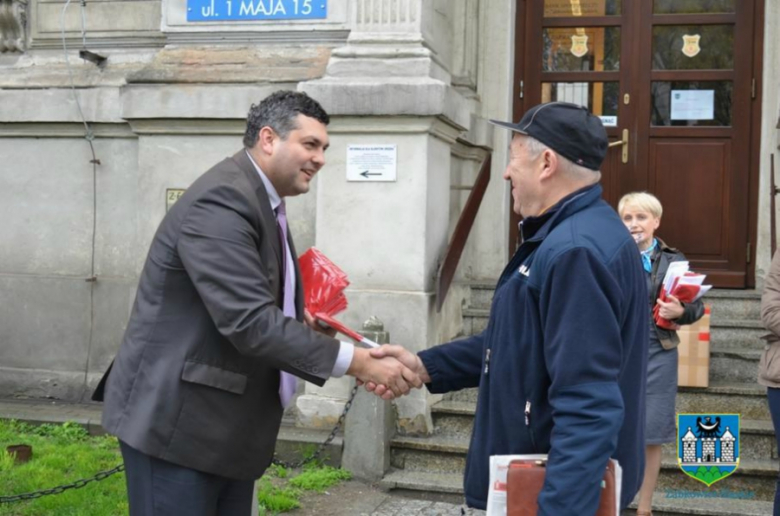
<point>298,281</point>
<point>267,217</point>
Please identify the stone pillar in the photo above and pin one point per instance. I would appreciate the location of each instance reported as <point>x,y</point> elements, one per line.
<point>370,424</point>
<point>390,84</point>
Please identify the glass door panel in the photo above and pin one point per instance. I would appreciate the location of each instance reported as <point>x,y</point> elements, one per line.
<point>601,98</point>
<point>581,49</point>
<point>693,47</point>
<point>693,6</point>
<point>691,103</point>
<point>556,8</point>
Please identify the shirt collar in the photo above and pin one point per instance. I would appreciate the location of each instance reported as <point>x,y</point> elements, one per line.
<point>273,197</point>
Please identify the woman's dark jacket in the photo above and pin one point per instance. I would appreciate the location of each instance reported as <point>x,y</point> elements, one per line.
<point>693,311</point>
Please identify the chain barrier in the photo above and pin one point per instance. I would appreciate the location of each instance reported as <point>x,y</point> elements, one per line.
<point>61,489</point>
<point>321,447</point>
<point>105,474</point>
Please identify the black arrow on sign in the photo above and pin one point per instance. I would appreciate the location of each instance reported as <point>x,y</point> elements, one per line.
<point>366,173</point>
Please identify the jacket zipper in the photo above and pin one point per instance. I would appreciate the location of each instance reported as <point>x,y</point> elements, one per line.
<point>487,361</point>
<point>528,423</point>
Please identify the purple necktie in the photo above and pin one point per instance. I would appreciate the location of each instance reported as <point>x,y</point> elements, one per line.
<point>287,382</point>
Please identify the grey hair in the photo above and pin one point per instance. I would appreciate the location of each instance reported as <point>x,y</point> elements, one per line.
<point>279,111</point>
<point>578,172</point>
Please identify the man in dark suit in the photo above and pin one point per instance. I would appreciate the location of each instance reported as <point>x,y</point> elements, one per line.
<point>197,389</point>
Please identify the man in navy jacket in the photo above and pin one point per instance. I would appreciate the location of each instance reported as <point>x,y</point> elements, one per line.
<point>561,366</point>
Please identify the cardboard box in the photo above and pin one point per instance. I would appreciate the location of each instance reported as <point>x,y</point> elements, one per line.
<point>694,353</point>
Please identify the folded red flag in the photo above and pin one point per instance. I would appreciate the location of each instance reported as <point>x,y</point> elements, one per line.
<point>323,291</point>
<point>323,284</point>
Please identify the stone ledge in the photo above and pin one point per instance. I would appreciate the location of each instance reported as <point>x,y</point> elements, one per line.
<point>187,102</point>
<point>417,96</point>
<point>231,64</point>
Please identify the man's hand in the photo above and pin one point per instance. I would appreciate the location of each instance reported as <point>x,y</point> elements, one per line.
<point>314,325</point>
<point>671,310</point>
<point>395,378</point>
<point>407,358</point>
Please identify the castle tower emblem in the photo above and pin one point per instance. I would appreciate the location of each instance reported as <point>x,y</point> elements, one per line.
<point>708,445</point>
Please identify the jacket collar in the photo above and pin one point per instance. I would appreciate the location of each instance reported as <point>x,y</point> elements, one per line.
<point>536,229</point>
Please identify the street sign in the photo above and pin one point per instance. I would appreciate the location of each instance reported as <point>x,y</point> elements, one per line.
<point>371,162</point>
<point>251,10</point>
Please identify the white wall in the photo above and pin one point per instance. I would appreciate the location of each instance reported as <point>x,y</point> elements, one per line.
<point>770,136</point>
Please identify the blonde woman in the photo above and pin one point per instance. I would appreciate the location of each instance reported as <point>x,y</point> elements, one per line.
<point>641,213</point>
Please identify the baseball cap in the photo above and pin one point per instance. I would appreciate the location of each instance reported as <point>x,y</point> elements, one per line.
<point>570,130</point>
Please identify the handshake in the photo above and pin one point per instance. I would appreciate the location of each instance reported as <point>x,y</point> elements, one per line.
<point>389,371</point>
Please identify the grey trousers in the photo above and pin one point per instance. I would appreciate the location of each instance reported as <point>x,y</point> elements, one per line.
<point>159,488</point>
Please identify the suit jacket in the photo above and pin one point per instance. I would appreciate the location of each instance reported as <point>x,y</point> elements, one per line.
<point>196,378</point>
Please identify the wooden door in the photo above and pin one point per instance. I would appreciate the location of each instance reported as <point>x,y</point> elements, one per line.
<point>674,81</point>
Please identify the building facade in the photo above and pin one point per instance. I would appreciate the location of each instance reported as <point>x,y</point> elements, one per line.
<point>92,151</point>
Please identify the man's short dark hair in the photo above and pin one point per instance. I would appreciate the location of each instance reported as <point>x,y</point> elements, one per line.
<point>278,111</point>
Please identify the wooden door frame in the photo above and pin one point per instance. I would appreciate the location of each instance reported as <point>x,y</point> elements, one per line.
<point>523,31</point>
<point>754,167</point>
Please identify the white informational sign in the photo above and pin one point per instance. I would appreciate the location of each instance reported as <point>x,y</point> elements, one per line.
<point>693,104</point>
<point>609,121</point>
<point>371,162</point>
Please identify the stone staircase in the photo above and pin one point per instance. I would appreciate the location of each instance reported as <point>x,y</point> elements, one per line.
<point>432,467</point>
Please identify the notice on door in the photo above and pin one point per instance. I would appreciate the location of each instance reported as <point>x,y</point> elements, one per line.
<point>693,104</point>
<point>608,121</point>
<point>371,163</point>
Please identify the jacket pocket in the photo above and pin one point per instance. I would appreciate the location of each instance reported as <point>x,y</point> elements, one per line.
<point>769,365</point>
<point>204,374</point>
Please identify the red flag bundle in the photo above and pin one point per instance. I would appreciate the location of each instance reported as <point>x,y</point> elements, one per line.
<point>323,289</point>
<point>323,284</point>
<point>683,284</point>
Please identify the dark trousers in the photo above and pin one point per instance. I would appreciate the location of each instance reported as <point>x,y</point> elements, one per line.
<point>159,488</point>
<point>774,408</point>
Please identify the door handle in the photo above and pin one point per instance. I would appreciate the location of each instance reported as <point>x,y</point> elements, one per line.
<point>624,143</point>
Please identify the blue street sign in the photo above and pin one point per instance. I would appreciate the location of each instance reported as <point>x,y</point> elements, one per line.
<point>242,10</point>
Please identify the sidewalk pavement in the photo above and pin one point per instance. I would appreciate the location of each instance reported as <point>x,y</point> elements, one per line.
<point>348,498</point>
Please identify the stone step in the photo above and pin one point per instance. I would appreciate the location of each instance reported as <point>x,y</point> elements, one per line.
<point>742,334</point>
<point>453,421</point>
<point>735,304</point>
<point>425,485</point>
<point>732,304</point>
<point>757,478</point>
<point>734,365</point>
<point>432,454</point>
<point>671,502</point>
<point>677,502</point>
<point>464,395</point>
<point>724,333</point>
<point>748,399</point>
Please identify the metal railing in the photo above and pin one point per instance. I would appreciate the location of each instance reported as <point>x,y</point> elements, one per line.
<point>461,234</point>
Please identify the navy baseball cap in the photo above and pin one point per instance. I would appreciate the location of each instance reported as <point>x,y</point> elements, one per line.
<point>570,130</point>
